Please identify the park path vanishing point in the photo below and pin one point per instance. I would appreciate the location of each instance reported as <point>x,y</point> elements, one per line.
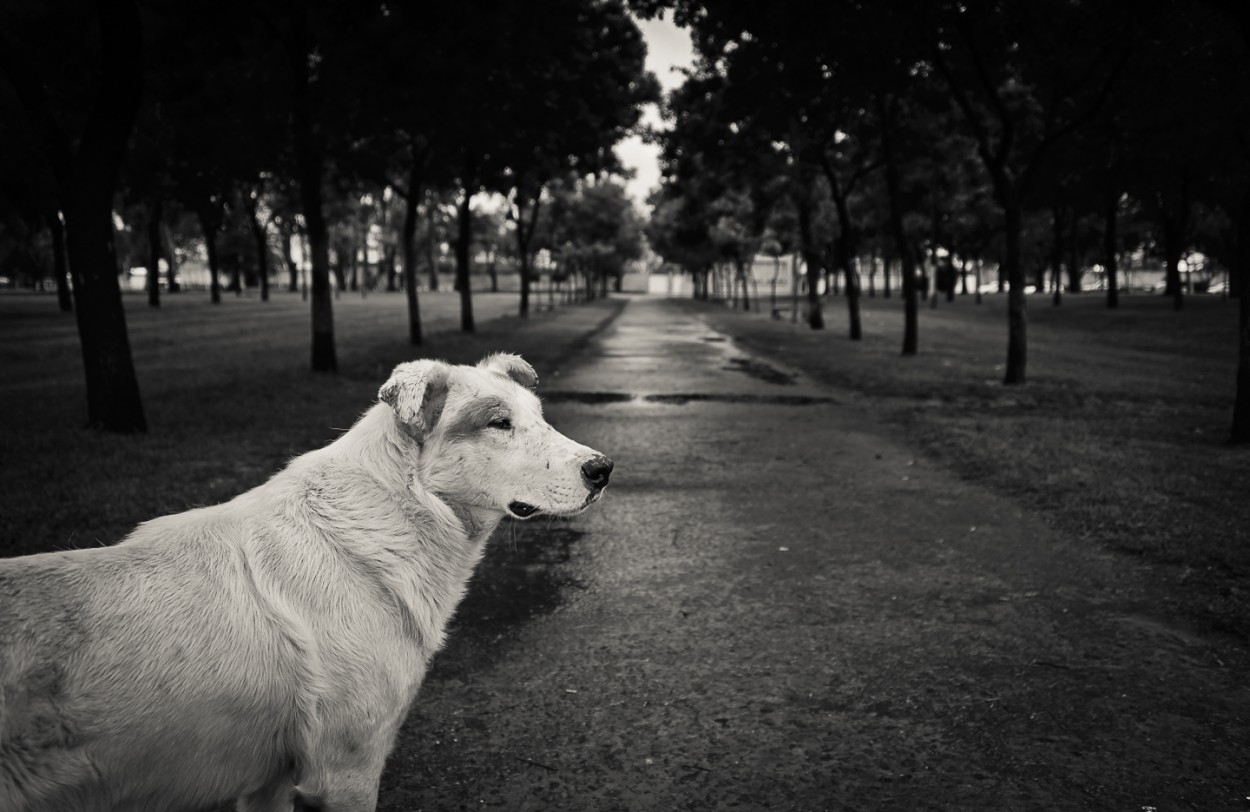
<point>779,606</point>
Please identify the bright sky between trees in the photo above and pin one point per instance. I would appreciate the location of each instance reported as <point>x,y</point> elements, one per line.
<point>668,49</point>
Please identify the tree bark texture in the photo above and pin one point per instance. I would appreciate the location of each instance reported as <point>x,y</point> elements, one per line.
<point>154,253</point>
<point>209,223</point>
<point>464,239</point>
<point>309,163</point>
<point>815,318</point>
<point>262,247</point>
<point>844,248</point>
<point>1173,248</point>
<point>1056,254</point>
<point>911,314</point>
<point>1239,283</point>
<point>431,244</point>
<point>288,257</point>
<point>64,299</point>
<point>1017,321</point>
<point>1241,406</point>
<point>407,238</point>
<point>524,235</point>
<point>1109,254</point>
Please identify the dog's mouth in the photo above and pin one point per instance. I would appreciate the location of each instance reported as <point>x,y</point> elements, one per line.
<point>522,510</point>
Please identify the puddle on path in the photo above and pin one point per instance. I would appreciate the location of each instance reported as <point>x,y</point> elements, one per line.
<point>681,398</point>
<point>760,371</point>
<point>524,574</point>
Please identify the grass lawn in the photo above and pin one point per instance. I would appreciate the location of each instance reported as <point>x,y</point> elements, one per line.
<point>1118,438</point>
<point>228,396</point>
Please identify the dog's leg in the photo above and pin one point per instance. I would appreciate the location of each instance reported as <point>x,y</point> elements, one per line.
<point>352,793</point>
<point>277,796</point>
<point>344,789</point>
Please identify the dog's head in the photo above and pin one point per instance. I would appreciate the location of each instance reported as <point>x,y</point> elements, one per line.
<point>484,441</point>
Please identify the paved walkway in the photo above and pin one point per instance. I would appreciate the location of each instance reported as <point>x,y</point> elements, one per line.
<point>778,606</point>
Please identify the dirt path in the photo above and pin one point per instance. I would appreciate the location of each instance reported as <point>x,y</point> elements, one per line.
<point>779,606</point>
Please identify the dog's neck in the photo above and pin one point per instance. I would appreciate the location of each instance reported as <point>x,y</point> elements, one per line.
<point>478,523</point>
<point>378,442</point>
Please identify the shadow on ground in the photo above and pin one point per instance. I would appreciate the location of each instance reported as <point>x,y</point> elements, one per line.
<point>522,576</point>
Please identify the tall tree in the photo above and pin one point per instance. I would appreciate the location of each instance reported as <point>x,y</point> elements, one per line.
<point>1025,76</point>
<point>104,77</point>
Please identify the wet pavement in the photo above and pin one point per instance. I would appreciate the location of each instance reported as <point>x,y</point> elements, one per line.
<point>777,606</point>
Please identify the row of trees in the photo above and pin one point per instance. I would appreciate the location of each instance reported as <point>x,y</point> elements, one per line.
<point>1028,133</point>
<point>260,238</point>
<point>296,117</point>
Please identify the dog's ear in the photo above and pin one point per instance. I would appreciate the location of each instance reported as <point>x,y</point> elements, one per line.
<point>417,392</point>
<point>511,366</point>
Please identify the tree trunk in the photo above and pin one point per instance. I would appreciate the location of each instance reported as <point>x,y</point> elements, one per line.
<point>154,253</point>
<point>113,401</point>
<point>911,314</point>
<point>388,264</point>
<point>64,299</point>
<point>1017,323</point>
<point>464,238</point>
<point>1056,254</point>
<point>339,266</point>
<point>794,287</point>
<point>852,302</point>
<point>815,318</point>
<point>1173,248</point>
<point>171,259</point>
<point>407,239</point>
<point>262,248</point>
<point>209,223</point>
<point>844,248</point>
<point>288,257</point>
<point>1240,433</point>
<point>524,233</point>
<point>1241,406</point>
<point>1109,255</point>
<point>431,243</point>
<point>1074,259</point>
<point>741,273</point>
<point>324,358</point>
<point>310,162</point>
<point>524,261</point>
<point>85,166</point>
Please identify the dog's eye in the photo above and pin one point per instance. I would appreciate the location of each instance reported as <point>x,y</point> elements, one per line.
<point>501,423</point>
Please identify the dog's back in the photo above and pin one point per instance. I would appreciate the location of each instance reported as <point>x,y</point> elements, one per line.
<point>103,671</point>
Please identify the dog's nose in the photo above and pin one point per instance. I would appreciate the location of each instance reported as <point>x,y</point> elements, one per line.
<point>597,471</point>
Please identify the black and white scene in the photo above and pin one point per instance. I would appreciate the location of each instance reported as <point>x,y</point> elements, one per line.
<point>625,405</point>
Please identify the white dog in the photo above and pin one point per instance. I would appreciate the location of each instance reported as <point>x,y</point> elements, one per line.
<point>267,649</point>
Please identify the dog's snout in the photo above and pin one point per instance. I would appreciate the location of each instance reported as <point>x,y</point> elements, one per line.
<point>597,470</point>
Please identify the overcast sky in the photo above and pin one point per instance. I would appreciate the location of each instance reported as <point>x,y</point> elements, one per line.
<point>668,48</point>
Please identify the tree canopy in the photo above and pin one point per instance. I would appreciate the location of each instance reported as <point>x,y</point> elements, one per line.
<point>272,115</point>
